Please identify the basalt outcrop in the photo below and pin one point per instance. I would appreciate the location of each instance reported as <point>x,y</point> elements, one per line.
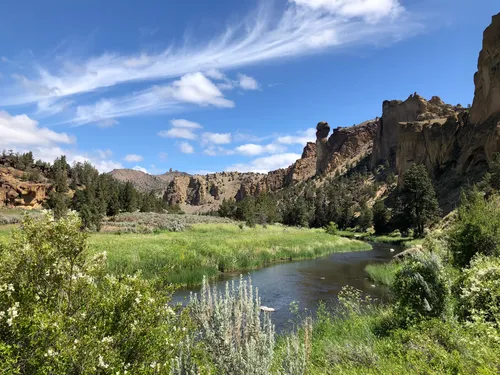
<point>16,193</point>
<point>346,146</point>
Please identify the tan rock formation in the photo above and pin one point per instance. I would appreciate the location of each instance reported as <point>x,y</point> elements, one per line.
<point>487,79</point>
<point>21,194</point>
<point>395,112</point>
<point>345,146</point>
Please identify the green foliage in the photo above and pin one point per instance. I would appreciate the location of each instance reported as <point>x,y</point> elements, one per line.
<point>365,219</point>
<point>332,229</point>
<point>418,198</point>
<point>476,229</point>
<point>480,295</point>
<point>58,203</point>
<point>495,171</point>
<point>178,257</point>
<point>60,313</point>
<point>420,289</point>
<point>381,217</point>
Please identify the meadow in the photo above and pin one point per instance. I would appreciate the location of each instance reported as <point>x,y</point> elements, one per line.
<point>208,249</point>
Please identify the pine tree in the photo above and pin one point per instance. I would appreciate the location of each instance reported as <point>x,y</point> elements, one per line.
<point>418,198</point>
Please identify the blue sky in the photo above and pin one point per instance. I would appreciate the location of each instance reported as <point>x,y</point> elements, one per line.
<point>203,86</point>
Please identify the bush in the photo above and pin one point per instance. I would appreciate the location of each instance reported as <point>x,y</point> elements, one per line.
<point>238,339</point>
<point>332,228</point>
<point>480,293</point>
<point>60,313</point>
<point>476,229</point>
<point>420,289</point>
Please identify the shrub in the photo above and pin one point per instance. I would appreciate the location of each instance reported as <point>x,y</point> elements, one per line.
<point>332,228</point>
<point>420,288</point>
<point>240,341</point>
<point>476,229</point>
<point>480,294</point>
<point>60,313</point>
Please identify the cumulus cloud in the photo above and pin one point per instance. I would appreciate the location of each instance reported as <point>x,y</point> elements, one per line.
<point>186,148</point>
<point>252,149</point>
<point>266,164</point>
<point>247,82</point>
<point>131,158</point>
<point>22,131</point>
<point>216,138</point>
<point>300,138</point>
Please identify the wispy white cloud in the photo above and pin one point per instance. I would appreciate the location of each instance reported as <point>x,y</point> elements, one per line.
<point>178,133</point>
<point>104,154</point>
<point>266,164</point>
<point>217,151</point>
<point>131,158</point>
<point>303,27</point>
<point>182,123</point>
<point>300,138</point>
<point>186,148</point>
<point>190,89</point>
<point>163,156</point>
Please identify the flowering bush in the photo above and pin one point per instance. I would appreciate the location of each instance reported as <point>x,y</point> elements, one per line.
<point>480,295</point>
<point>61,313</point>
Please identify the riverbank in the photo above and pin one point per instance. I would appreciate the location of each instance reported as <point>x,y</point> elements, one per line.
<point>395,240</point>
<point>210,249</point>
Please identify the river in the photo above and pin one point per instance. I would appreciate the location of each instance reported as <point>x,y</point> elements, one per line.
<point>310,281</point>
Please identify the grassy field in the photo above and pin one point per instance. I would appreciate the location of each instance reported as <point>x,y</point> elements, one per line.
<point>207,249</point>
<point>383,273</point>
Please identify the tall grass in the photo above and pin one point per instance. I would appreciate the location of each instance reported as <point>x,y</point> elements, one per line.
<point>208,249</point>
<point>383,273</point>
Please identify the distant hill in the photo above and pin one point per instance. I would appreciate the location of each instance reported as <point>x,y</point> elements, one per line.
<point>146,182</point>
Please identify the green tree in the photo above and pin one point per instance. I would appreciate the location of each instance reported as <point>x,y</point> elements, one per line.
<point>365,219</point>
<point>495,171</point>
<point>420,206</point>
<point>129,197</point>
<point>381,217</point>
<point>60,174</point>
<point>476,229</point>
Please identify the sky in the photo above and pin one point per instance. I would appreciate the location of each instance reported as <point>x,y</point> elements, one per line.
<point>204,86</point>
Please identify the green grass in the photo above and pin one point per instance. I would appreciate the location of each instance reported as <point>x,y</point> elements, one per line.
<point>208,249</point>
<point>383,273</point>
<point>396,240</point>
<point>364,343</point>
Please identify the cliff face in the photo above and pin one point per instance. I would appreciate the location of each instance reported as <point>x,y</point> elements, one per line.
<point>396,112</point>
<point>460,145</point>
<point>487,79</point>
<point>21,194</point>
<point>345,145</point>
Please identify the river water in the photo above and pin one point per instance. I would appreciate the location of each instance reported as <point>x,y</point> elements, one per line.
<point>310,281</point>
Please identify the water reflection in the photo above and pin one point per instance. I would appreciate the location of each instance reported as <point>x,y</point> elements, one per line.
<point>311,281</point>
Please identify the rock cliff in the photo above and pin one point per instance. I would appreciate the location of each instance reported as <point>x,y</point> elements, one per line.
<point>14,192</point>
<point>487,79</point>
